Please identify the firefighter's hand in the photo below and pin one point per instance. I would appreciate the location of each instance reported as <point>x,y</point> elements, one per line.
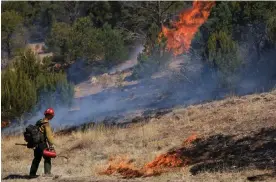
<point>51,148</point>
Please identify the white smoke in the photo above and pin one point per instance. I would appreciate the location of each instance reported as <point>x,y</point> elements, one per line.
<point>193,83</point>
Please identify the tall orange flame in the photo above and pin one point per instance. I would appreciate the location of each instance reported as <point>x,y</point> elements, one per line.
<point>180,37</point>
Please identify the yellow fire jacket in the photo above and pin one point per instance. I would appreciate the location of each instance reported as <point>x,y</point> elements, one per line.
<point>45,128</point>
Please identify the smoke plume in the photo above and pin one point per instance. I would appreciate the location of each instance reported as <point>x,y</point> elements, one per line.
<point>186,80</point>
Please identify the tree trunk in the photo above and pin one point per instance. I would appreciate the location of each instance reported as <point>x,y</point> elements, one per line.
<point>159,23</point>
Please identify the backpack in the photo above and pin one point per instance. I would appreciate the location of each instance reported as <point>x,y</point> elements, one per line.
<point>33,136</point>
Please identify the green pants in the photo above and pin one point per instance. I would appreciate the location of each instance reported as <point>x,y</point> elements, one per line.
<point>38,154</point>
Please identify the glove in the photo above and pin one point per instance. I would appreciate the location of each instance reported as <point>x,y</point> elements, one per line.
<point>51,147</point>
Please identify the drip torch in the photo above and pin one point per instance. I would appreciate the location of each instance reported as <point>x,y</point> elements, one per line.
<point>46,152</point>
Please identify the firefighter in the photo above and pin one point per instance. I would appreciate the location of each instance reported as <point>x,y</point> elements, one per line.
<point>45,129</point>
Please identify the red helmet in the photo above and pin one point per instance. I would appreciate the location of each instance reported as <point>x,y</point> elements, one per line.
<point>50,111</point>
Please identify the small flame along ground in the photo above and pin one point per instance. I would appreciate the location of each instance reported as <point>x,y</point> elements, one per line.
<point>179,38</point>
<point>162,163</point>
<point>5,124</point>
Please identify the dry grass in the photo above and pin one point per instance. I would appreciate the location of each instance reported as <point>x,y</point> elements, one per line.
<point>89,151</point>
<point>99,83</point>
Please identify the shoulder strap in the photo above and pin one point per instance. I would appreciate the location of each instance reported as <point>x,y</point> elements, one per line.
<point>41,122</point>
<point>38,123</point>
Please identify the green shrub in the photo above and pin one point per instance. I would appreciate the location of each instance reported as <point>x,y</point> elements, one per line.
<point>224,56</point>
<point>84,41</point>
<point>28,86</point>
<point>18,93</point>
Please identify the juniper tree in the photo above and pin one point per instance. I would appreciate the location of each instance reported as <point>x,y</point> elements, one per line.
<point>18,93</point>
<point>28,86</point>
<point>12,32</point>
<point>223,54</point>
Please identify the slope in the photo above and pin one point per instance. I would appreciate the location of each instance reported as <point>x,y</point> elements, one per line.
<point>235,141</point>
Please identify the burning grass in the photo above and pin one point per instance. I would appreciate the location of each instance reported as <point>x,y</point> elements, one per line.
<point>159,165</point>
<point>162,163</point>
<point>123,166</point>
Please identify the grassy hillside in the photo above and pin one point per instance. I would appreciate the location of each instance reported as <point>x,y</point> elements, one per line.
<point>229,140</point>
